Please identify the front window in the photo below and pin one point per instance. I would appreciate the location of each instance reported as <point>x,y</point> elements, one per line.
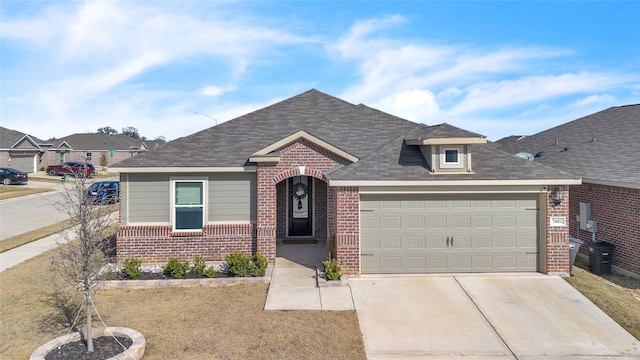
<point>188,205</point>
<point>88,156</point>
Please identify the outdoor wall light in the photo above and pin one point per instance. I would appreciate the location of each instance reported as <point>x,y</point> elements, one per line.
<point>559,195</point>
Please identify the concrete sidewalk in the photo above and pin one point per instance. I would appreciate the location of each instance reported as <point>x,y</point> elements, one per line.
<point>25,252</point>
<point>293,283</point>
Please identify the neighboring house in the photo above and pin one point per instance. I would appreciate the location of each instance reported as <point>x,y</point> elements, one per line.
<point>20,151</point>
<point>387,194</point>
<point>603,149</point>
<point>101,150</point>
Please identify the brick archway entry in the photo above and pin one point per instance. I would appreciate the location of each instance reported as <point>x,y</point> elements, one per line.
<point>300,158</point>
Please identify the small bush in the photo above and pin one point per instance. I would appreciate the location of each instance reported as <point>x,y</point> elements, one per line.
<point>132,268</point>
<point>239,263</point>
<point>260,263</point>
<point>210,272</point>
<point>175,268</point>
<point>199,265</point>
<point>332,269</point>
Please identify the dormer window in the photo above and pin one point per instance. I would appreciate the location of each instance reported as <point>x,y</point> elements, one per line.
<point>451,156</point>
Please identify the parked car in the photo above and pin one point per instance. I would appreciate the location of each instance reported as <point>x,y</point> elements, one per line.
<point>104,192</point>
<point>71,168</point>
<point>10,176</point>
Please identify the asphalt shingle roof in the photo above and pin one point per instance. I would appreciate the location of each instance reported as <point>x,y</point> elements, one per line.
<point>99,141</point>
<point>356,129</point>
<point>9,137</point>
<point>603,146</point>
<point>376,138</point>
<point>399,161</point>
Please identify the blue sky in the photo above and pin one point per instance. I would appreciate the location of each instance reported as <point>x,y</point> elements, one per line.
<point>497,68</point>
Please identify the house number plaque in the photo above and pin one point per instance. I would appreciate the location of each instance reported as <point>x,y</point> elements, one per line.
<point>558,221</point>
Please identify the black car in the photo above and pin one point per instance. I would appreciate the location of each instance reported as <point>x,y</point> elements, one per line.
<point>10,176</point>
<point>104,192</point>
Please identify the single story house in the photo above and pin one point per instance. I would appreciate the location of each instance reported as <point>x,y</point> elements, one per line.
<point>386,194</point>
<point>21,151</point>
<point>603,149</point>
<point>101,150</point>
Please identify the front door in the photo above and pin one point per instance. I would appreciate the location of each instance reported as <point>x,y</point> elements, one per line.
<point>300,206</point>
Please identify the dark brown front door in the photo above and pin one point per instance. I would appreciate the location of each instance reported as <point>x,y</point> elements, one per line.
<point>300,206</point>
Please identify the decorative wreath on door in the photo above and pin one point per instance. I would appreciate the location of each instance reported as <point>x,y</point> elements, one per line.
<point>300,191</point>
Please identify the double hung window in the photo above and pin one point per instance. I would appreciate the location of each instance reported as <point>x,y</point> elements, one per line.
<point>188,205</point>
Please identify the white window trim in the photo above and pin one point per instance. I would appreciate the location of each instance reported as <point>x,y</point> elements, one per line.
<point>443,157</point>
<point>173,204</point>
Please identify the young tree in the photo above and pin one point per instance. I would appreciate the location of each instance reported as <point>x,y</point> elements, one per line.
<point>84,249</point>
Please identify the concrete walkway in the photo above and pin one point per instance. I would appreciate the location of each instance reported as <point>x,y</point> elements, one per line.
<point>293,283</point>
<point>25,252</point>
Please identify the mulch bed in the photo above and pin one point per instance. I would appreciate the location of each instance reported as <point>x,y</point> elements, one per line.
<point>104,347</point>
<point>150,275</point>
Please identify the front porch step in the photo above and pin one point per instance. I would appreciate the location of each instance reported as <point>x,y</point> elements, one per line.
<point>300,241</point>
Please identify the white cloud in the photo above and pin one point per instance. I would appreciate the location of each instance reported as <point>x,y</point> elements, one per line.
<point>214,91</point>
<point>416,105</point>
<point>595,99</point>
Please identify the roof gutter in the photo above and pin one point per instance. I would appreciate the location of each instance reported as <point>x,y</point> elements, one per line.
<point>173,170</point>
<point>537,182</point>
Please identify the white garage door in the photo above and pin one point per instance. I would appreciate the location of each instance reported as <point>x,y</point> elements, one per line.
<point>448,233</point>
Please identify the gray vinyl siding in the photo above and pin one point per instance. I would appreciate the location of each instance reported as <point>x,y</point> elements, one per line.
<point>232,197</point>
<point>148,198</point>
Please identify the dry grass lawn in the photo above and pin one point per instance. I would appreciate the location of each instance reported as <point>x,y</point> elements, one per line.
<point>196,323</point>
<point>616,295</point>
<point>12,191</point>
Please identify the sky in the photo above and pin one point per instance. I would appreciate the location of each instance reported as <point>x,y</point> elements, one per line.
<point>172,68</point>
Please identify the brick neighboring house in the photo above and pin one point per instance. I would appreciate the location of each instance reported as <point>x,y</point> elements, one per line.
<point>21,151</point>
<point>603,149</point>
<point>101,150</point>
<point>386,194</point>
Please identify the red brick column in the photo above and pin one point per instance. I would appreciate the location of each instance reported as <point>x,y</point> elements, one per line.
<point>266,212</point>
<point>348,229</point>
<point>557,236</point>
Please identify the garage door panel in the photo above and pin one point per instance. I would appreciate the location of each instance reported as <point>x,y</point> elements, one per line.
<point>437,222</point>
<point>408,234</point>
<point>482,221</point>
<point>461,221</point>
<point>392,263</point>
<point>391,243</point>
<point>461,242</point>
<point>391,222</point>
<point>417,222</point>
<point>436,242</point>
<point>416,243</point>
<point>370,222</point>
<point>370,243</point>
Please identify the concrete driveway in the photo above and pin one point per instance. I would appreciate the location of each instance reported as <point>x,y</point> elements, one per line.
<point>519,316</point>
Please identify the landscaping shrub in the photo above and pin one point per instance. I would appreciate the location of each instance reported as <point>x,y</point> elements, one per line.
<point>239,263</point>
<point>210,272</point>
<point>332,269</point>
<point>260,263</point>
<point>132,268</point>
<point>199,265</point>
<point>176,268</point>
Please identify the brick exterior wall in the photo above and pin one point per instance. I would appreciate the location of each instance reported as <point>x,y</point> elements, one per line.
<point>281,211</point>
<point>557,236</point>
<point>316,161</point>
<point>154,244</point>
<point>617,212</point>
<point>348,229</point>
